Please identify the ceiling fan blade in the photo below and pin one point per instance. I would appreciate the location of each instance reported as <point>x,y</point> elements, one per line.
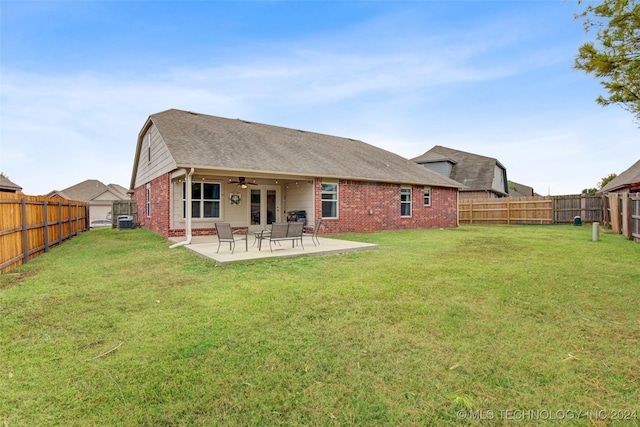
<point>242,181</point>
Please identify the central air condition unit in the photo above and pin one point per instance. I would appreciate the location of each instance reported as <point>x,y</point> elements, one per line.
<point>125,222</point>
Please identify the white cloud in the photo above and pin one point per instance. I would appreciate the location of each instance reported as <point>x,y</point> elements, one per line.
<point>387,82</point>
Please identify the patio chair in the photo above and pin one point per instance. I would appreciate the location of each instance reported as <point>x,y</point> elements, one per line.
<point>294,232</point>
<point>314,235</point>
<point>278,233</point>
<point>226,234</point>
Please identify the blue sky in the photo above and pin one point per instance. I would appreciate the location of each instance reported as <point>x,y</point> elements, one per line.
<point>80,78</point>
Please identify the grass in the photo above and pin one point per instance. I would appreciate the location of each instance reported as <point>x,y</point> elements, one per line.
<point>434,322</point>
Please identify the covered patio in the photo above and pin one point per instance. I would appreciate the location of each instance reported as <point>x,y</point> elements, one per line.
<point>206,246</point>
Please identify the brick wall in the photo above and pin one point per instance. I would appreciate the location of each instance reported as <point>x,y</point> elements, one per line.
<point>159,220</point>
<point>365,207</point>
<point>181,232</point>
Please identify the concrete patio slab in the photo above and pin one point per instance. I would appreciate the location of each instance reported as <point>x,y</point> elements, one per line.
<point>206,246</point>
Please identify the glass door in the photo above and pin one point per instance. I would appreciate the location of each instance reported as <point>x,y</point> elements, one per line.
<point>264,206</point>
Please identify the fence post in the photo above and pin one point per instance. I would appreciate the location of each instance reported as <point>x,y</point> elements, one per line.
<point>626,216</point>
<point>76,219</point>
<point>46,225</point>
<point>60,222</point>
<point>25,237</point>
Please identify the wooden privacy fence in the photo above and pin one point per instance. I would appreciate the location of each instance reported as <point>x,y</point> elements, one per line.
<point>589,207</point>
<point>123,207</point>
<point>622,214</point>
<point>507,210</point>
<point>30,225</point>
<point>531,210</point>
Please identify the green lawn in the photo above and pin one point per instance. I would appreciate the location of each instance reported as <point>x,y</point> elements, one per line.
<point>433,326</point>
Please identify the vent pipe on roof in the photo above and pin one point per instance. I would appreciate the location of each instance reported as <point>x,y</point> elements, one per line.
<point>187,213</point>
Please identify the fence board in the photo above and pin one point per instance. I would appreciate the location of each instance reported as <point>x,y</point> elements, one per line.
<point>588,207</point>
<point>616,212</point>
<point>30,225</point>
<point>123,207</point>
<point>634,211</point>
<point>531,210</point>
<point>508,210</point>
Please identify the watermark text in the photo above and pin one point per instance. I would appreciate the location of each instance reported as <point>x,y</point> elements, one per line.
<point>548,414</point>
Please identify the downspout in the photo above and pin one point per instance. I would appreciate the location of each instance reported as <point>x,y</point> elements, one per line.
<point>187,213</point>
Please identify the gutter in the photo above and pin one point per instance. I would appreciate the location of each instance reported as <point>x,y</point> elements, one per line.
<point>188,211</point>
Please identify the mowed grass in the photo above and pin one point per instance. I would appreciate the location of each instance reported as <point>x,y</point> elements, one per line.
<point>435,322</point>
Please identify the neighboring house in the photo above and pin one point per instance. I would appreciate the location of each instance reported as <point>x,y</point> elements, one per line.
<point>482,177</point>
<point>6,186</point>
<point>99,196</point>
<point>627,182</point>
<point>210,169</point>
<point>520,190</point>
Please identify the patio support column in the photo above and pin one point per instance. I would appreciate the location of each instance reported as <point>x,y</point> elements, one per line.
<point>187,212</point>
<point>189,205</point>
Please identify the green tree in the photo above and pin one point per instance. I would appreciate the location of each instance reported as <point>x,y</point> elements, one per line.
<point>589,190</point>
<point>604,181</point>
<point>615,58</point>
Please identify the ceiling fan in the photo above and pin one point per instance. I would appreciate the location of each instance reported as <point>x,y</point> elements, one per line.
<point>242,183</point>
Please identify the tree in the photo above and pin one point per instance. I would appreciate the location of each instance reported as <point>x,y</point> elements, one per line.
<point>615,59</point>
<point>604,181</point>
<point>589,191</point>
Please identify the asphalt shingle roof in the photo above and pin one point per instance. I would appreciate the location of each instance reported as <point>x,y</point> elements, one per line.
<point>474,171</point>
<point>204,141</point>
<point>90,189</point>
<point>5,183</point>
<point>630,176</point>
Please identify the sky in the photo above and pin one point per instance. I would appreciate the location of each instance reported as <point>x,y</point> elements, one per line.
<point>78,80</point>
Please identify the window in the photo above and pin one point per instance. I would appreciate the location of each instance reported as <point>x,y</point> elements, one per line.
<point>405,201</point>
<point>329,200</point>
<point>427,196</point>
<point>148,199</point>
<point>149,146</point>
<point>205,200</point>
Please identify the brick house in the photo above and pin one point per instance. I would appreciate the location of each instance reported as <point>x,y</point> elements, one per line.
<point>192,170</point>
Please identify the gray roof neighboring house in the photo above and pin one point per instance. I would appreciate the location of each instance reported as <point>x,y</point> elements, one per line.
<point>92,189</point>
<point>7,186</point>
<point>237,146</point>
<point>520,190</point>
<point>629,178</point>
<point>475,172</point>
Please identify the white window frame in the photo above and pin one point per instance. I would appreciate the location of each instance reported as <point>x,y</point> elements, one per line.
<point>201,201</point>
<point>427,196</point>
<point>333,200</point>
<point>403,193</point>
<point>148,198</point>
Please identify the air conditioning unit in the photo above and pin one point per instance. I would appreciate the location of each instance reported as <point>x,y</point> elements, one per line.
<point>125,222</point>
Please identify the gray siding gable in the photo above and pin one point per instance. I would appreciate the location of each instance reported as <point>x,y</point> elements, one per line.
<point>475,172</point>
<point>160,161</point>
